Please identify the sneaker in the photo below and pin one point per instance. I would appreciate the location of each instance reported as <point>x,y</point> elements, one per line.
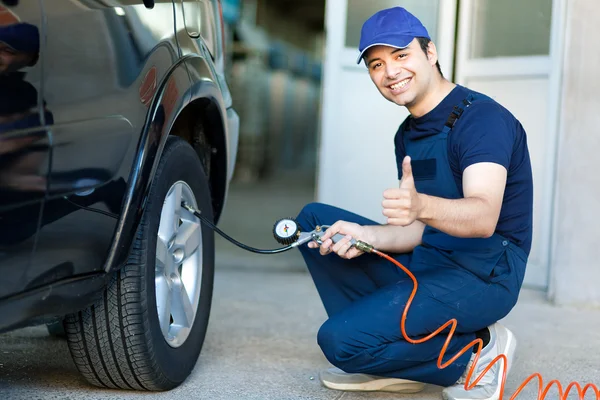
<point>502,341</point>
<point>335,378</point>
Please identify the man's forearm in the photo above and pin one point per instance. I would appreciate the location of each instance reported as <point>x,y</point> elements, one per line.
<point>466,217</point>
<point>395,239</point>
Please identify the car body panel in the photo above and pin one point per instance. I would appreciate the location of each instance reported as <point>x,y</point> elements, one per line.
<point>24,144</point>
<point>145,165</point>
<point>99,64</point>
<point>112,80</point>
<point>50,302</point>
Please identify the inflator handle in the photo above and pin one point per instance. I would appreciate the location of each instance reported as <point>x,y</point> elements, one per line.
<point>338,236</point>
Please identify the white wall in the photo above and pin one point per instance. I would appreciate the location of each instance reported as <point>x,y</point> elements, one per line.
<point>576,245</point>
<point>357,160</point>
<point>528,99</point>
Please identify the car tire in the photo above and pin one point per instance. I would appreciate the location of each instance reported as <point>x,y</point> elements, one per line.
<point>121,341</point>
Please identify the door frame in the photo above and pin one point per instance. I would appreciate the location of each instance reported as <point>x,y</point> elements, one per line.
<point>550,66</point>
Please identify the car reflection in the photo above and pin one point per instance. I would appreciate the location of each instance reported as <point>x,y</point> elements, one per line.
<point>19,46</point>
<point>23,149</point>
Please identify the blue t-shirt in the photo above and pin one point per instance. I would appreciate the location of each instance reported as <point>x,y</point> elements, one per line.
<point>486,132</point>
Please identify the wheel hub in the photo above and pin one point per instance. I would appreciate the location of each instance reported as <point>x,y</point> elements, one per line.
<point>178,268</point>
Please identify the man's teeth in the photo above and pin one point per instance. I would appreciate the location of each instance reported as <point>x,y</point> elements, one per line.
<point>400,84</point>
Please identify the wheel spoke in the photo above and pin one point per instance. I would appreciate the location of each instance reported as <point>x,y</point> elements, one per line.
<point>191,274</point>
<point>170,214</point>
<point>180,331</point>
<point>163,257</point>
<point>165,264</point>
<point>182,311</point>
<point>164,297</point>
<point>188,238</point>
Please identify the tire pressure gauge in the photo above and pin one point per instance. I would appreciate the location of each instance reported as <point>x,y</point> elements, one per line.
<point>286,231</point>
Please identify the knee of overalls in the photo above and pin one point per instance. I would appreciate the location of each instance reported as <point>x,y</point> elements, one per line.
<point>311,215</point>
<point>334,341</point>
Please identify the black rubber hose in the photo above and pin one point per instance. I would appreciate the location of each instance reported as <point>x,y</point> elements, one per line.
<point>208,223</point>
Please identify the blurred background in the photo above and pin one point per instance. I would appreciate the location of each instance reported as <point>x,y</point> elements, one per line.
<point>315,128</point>
<point>275,72</point>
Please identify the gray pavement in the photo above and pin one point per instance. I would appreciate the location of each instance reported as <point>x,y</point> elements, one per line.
<point>261,342</point>
<point>250,213</point>
<point>261,345</point>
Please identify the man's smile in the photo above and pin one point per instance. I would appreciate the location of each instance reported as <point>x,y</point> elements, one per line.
<point>400,86</point>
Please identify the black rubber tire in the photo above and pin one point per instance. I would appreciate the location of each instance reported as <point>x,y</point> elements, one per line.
<point>117,342</point>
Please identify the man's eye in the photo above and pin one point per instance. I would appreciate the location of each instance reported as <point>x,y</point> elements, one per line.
<point>402,55</point>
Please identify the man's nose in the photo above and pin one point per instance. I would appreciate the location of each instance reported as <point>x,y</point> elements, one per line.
<point>392,71</point>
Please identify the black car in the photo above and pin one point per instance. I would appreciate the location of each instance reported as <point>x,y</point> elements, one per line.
<point>113,113</point>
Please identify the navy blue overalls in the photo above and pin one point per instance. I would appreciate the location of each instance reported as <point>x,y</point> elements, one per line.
<point>476,281</point>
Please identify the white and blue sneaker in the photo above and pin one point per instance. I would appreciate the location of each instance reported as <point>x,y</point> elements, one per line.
<point>502,341</point>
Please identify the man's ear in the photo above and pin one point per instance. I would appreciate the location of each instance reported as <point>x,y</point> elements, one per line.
<point>432,54</point>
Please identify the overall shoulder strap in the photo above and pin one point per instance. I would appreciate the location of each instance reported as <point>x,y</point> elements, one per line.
<point>457,111</point>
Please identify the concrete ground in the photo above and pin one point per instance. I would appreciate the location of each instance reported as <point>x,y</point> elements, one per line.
<point>261,340</point>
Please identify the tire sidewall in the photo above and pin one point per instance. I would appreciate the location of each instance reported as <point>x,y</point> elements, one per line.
<point>178,163</point>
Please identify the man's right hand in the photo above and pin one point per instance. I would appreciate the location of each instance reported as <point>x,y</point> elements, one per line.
<point>342,248</point>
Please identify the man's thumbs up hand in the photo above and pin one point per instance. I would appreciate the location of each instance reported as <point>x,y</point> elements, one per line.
<point>408,182</point>
<point>402,206</point>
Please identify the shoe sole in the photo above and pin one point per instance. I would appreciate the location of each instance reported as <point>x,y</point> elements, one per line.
<point>378,385</point>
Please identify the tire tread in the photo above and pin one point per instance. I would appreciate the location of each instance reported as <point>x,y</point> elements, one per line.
<point>110,342</point>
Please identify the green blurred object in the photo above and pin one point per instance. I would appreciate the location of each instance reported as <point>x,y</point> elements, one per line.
<point>231,10</point>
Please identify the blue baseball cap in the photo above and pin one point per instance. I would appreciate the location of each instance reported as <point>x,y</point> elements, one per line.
<point>394,27</point>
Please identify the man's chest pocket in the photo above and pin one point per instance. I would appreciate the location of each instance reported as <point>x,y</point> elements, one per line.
<point>424,170</point>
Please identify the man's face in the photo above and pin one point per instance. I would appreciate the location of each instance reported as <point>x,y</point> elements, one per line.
<point>402,76</point>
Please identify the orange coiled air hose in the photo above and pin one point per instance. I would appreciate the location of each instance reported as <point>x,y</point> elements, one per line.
<point>452,323</point>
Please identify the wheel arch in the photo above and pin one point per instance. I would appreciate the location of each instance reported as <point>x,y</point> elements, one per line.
<point>201,103</point>
<point>201,124</point>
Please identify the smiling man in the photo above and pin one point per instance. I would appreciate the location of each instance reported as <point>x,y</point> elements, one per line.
<point>460,220</point>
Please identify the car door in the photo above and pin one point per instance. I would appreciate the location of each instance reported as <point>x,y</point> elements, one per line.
<point>24,145</point>
<point>104,62</point>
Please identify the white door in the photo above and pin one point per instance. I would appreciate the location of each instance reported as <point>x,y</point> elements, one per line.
<point>356,160</point>
<point>509,50</point>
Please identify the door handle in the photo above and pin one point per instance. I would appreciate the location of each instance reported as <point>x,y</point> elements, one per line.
<point>149,3</point>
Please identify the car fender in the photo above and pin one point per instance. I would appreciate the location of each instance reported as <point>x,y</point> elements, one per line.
<point>163,112</point>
